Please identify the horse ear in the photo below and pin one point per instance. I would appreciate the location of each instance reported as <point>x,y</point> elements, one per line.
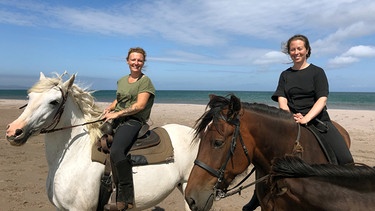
<point>211,96</point>
<point>69,82</point>
<point>235,103</point>
<point>234,107</point>
<point>41,76</point>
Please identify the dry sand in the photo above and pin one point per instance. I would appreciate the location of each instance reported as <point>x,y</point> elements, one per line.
<point>23,170</point>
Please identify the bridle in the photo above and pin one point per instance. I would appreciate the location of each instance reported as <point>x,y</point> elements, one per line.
<point>218,193</point>
<point>56,119</point>
<point>220,172</point>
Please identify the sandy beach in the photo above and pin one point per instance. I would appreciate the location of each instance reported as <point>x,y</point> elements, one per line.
<point>23,170</point>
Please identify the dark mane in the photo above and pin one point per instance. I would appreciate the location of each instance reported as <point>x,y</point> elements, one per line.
<point>294,167</point>
<point>267,110</point>
<point>234,105</point>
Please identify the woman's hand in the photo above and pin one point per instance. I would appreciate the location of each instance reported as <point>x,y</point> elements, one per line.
<point>106,111</point>
<point>299,118</point>
<point>110,115</point>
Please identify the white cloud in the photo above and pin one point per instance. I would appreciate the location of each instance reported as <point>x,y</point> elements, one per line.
<point>211,32</point>
<point>342,61</point>
<point>361,51</point>
<point>206,23</point>
<point>352,55</point>
<point>272,57</point>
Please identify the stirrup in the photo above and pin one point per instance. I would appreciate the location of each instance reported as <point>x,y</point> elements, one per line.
<point>110,207</point>
<point>124,206</point>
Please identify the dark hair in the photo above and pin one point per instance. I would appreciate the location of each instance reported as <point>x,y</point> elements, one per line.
<point>137,50</point>
<point>286,46</point>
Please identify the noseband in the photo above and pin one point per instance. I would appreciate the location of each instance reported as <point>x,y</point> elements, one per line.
<point>220,173</point>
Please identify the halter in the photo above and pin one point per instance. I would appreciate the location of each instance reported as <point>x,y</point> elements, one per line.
<point>220,173</point>
<point>56,119</point>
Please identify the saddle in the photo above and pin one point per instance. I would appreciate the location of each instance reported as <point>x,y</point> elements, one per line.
<point>145,138</point>
<point>151,147</point>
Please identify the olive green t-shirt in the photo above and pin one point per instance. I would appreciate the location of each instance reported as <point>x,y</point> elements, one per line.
<point>127,94</point>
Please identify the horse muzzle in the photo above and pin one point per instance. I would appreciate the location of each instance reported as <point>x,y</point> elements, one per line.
<point>16,138</point>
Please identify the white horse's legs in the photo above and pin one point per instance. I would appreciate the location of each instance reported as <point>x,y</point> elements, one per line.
<point>182,188</point>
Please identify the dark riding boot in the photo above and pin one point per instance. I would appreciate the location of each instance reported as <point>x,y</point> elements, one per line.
<point>253,203</point>
<point>124,187</point>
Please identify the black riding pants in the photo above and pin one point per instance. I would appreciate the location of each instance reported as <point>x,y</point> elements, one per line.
<point>124,138</point>
<point>337,143</point>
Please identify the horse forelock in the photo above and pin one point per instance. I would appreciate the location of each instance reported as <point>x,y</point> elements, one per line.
<point>211,116</point>
<point>45,85</point>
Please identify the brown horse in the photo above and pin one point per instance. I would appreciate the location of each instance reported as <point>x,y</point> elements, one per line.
<point>321,186</point>
<point>261,132</point>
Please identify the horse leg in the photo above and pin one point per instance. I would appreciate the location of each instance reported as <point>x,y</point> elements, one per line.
<point>253,203</point>
<point>182,187</point>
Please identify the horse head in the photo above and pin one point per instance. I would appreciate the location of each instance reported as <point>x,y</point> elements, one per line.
<point>45,106</point>
<point>218,160</point>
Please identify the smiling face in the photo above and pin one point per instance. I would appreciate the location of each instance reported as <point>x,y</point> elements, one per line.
<point>135,61</point>
<point>298,51</point>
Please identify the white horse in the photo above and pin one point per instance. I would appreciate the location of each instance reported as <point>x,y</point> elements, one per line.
<point>73,180</point>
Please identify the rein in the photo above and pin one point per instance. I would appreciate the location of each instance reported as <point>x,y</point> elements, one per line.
<point>71,126</point>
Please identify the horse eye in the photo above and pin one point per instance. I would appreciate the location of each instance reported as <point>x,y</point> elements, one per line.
<point>55,102</point>
<point>218,143</point>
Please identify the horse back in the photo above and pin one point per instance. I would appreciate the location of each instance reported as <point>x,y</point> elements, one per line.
<point>343,132</point>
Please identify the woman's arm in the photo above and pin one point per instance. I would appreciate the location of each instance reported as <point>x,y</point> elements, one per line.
<point>283,103</point>
<point>141,103</point>
<point>314,111</point>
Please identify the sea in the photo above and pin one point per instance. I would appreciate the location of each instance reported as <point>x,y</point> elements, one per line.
<point>336,100</point>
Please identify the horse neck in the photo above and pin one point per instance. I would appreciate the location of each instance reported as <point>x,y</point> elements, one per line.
<point>67,142</point>
<point>270,137</point>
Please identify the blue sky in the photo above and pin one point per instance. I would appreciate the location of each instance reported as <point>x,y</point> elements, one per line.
<point>191,45</point>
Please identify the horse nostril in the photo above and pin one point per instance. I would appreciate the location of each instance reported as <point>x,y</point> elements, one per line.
<point>19,132</point>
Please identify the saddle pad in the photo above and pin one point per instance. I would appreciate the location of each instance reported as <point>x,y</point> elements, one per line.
<point>327,149</point>
<point>97,156</point>
<point>161,153</point>
<point>152,139</point>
